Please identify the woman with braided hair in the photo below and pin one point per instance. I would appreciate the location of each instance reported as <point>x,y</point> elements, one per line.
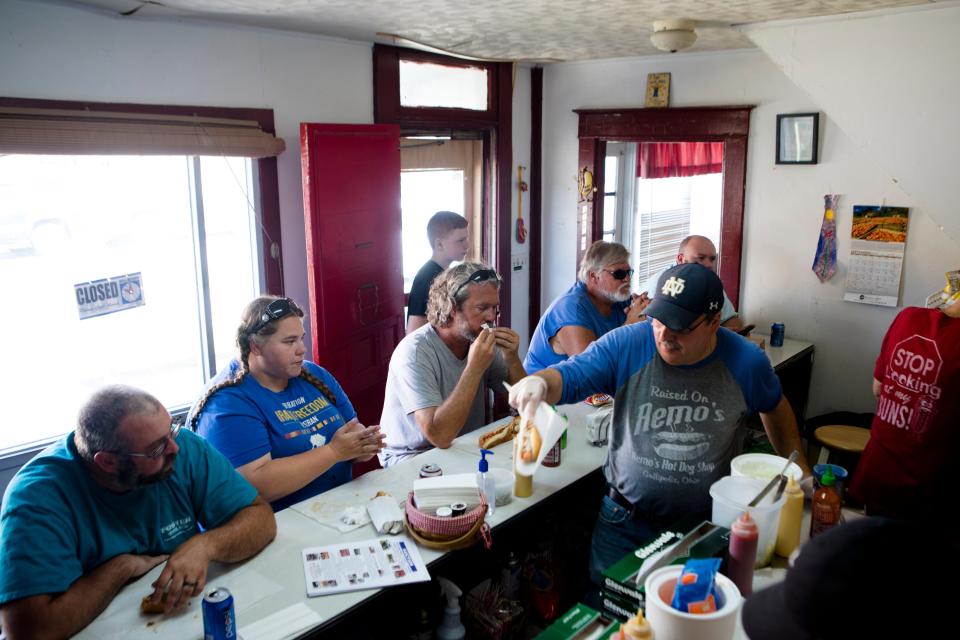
<point>282,421</point>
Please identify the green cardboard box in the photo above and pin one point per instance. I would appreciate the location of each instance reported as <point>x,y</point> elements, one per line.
<point>620,578</point>
<point>618,606</point>
<point>580,621</point>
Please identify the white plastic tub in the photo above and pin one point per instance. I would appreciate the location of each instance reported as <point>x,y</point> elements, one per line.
<point>731,494</point>
<point>763,466</point>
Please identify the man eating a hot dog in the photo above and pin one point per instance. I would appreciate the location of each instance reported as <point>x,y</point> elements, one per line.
<point>439,374</point>
<point>682,385</point>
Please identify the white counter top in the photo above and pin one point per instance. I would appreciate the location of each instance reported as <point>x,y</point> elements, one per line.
<point>273,581</point>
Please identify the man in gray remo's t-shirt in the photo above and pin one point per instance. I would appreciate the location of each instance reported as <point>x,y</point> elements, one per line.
<point>439,374</point>
<point>682,385</point>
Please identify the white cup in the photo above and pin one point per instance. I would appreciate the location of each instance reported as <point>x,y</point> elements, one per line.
<point>671,624</point>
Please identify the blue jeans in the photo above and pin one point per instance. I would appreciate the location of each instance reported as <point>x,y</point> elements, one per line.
<point>616,534</point>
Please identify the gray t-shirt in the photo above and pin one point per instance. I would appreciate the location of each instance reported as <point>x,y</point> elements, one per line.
<point>674,427</point>
<point>423,373</point>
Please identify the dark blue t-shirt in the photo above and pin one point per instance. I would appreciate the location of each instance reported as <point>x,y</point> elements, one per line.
<point>247,421</point>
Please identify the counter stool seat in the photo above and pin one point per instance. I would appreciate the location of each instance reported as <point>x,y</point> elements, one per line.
<point>840,437</point>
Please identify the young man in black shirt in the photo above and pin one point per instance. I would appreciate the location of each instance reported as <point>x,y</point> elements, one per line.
<point>447,232</point>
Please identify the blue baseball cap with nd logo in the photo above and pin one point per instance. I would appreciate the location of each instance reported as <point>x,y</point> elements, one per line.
<point>684,293</point>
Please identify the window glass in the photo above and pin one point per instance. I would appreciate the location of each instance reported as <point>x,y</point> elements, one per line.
<point>667,211</point>
<point>423,84</point>
<point>609,216</point>
<point>66,220</point>
<point>231,231</point>
<point>422,194</point>
<point>610,173</point>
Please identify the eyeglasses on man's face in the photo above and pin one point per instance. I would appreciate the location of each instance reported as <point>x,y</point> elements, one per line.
<point>480,275</point>
<point>693,327</point>
<point>279,308</point>
<point>620,274</point>
<point>158,451</point>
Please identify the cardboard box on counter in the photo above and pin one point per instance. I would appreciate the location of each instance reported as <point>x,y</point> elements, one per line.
<point>620,578</point>
<point>619,606</point>
<point>579,622</point>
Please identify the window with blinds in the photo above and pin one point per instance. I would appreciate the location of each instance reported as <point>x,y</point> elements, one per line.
<point>666,211</point>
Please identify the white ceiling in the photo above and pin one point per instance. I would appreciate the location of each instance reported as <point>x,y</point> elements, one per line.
<point>528,30</point>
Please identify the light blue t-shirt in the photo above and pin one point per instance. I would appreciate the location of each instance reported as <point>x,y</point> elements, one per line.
<point>573,308</point>
<point>674,427</point>
<point>57,523</point>
<point>726,311</point>
<point>247,421</point>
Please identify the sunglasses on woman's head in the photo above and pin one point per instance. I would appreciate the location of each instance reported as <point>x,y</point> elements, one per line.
<point>279,308</point>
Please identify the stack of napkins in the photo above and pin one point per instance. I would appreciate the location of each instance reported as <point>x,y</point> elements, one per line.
<point>442,491</point>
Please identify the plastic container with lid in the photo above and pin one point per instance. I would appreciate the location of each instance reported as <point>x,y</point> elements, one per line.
<point>763,466</point>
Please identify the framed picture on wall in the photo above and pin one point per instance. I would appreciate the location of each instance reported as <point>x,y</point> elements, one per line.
<point>658,90</point>
<point>797,138</point>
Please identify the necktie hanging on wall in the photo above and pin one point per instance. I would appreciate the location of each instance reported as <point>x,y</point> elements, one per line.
<point>825,262</point>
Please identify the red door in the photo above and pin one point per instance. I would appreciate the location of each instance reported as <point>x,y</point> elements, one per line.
<point>351,193</point>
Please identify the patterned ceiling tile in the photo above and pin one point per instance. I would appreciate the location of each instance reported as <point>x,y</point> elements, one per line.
<point>534,29</point>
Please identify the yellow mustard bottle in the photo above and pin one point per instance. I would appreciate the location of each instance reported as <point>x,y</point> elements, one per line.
<point>791,518</point>
<point>636,628</point>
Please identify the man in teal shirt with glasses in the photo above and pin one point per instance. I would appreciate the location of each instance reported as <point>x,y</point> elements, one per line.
<point>125,492</point>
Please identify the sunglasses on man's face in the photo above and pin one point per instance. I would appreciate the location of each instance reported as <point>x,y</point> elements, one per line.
<point>279,308</point>
<point>620,274</point>
<point>480,275</point>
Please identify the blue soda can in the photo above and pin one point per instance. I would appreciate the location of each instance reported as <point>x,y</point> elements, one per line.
<point>219,621</point>
<point>777,330</point>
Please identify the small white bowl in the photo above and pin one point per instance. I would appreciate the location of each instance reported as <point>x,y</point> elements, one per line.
<point>763,466</point>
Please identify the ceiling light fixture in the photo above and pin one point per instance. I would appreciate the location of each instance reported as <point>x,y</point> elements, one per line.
<point>673,35</point>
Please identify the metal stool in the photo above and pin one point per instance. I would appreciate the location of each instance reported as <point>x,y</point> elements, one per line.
<point>840,437</point>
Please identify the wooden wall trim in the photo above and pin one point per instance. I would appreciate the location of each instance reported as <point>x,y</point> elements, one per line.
<point>727,124</point>
<point>535,237</point>
<point>504,165</point>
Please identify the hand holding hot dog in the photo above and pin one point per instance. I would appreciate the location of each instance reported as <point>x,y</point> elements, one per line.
<point>527,394</point>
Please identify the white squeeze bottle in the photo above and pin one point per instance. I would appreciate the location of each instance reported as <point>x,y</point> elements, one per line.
<point>485,482</point>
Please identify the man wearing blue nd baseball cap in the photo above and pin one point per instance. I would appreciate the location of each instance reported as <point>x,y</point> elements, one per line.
<point>684,293</point>
<point>682,385</point>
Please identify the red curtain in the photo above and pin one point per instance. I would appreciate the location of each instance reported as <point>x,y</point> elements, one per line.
<point>678,159</point>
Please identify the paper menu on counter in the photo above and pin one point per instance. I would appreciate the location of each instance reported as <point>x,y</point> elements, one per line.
<point>362,564</point>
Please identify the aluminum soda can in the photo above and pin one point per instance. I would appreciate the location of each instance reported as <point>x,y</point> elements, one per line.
<point>777,330</point>
<point>430,471</point>
<point>219,621</point>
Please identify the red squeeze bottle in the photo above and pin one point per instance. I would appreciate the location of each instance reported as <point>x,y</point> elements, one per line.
<point>743,553</point>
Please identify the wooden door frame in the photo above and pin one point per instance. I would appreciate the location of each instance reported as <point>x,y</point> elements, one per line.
<point>496,122</point>
<point>727,124</point>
